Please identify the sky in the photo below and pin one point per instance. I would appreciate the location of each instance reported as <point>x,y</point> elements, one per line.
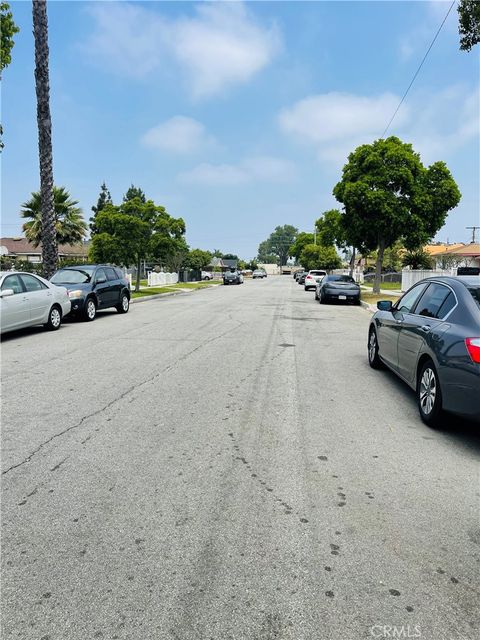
<point>238,116</point>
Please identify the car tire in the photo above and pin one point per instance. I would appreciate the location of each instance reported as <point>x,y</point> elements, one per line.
<point>316,294</point>
<point>90,310</point>
<point>54,318</point>
<point>124,305</point>
<point>429,395</point>
<point>373,357</point>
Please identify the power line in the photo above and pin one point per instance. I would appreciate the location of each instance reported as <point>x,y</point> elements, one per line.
<point>418,70</point>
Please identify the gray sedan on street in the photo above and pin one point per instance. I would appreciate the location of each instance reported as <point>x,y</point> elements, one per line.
<point>430,338</point>
<point>337,287</point>
<point>27,300</point>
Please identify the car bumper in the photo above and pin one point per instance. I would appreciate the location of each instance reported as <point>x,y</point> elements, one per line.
<point>461,392</point>
<point>77,306</point>
<point>342,296</point>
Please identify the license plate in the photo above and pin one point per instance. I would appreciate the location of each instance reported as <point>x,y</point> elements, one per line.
<point>342,297</point>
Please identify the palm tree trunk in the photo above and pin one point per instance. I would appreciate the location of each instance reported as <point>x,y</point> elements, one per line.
<point>44,121</point>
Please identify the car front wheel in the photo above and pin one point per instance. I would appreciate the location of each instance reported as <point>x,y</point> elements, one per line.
<point>54,319</point>
<point>90,310</point>
<point>373,357</point>
<point>429,395</point>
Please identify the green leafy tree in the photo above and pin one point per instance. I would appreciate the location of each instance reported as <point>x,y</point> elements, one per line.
<point>134,192</point>
<point>469,23</point>
<point>8,29</point>
<point>229,256</point>
<point>70,227</point>
<point>199,259</point>
<point>418,259</point>
<point>44,124</point>
<point>104,198</point>
<point>252,265</point>
<point>278,244</point>
<point>135,230</point>
<point>301,241</point>
<point>315,256</point>
<point>330,230</point>
<point>388,195</point>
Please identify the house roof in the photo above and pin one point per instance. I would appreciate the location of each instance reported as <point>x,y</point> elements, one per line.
<point>439,249</point>
<point>15,246</point>
<point>472,250</point>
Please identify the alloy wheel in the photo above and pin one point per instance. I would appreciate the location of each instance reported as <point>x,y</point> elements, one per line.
<point>428,391</point>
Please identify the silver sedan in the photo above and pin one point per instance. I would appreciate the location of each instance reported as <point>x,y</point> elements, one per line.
<point>27,300</point>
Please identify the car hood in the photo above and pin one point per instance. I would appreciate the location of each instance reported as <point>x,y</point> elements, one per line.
<point>86,286</point>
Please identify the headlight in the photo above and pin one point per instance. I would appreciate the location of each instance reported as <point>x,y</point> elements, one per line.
<point>75,294</point>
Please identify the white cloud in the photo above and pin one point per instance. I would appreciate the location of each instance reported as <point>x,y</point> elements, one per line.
<point>255,169</point>
<point>338,116</point>
<point>437,124</point>
<point>221,45</point>
<point>178,134</point>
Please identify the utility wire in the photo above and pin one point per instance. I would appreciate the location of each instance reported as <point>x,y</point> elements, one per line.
<point>418,70</point>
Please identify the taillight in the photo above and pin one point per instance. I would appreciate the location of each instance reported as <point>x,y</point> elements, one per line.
<point>309,277</point>
<point>473,346</point>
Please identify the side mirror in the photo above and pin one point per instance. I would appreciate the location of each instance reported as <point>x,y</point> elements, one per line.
<point>384,305</point>
<point>100,280</point>
<point>6,292</point>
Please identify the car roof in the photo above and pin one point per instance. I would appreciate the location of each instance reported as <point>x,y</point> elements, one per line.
<point>465,280</point>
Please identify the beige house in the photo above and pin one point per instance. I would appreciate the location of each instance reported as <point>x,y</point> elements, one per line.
<point>21,249</point>
<point>465,255</point>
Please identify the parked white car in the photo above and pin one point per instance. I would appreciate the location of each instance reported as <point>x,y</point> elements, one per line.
<point>312,277</point>
<point>207,275</point>
<point>27,300</point>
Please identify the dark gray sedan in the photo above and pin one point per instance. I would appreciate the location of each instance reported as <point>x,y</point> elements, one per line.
<point>337,287</point>
<point>431,339</point>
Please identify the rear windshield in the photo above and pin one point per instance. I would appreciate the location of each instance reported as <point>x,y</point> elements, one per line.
<point>317,273</point>
<point>475,291</point>
<point>341,279</point>
<point>72,276</point>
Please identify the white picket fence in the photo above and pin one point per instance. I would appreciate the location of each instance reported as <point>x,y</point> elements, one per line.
<point>155,279</point>
<point>411,276</point>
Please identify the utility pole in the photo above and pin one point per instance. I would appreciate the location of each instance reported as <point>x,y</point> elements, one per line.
<point>474,229</point>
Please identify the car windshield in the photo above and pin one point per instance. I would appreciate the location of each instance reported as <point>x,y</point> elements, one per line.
<point>73,276</point>
<point>341,279</point>
<point>317,273</point>
<point>475,292</point>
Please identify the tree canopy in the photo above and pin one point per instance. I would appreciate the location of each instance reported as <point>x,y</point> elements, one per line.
<point>104,198</point>
<point>199,259</point>
<point>301,241</point>
<point>134,192</point>
<point>70,226</point>
<point>135,230</point>
<point>315,256</point>
<point>277,245</point>
<point>8,29</point>
<point>388,195</point>
<point>468,23</point>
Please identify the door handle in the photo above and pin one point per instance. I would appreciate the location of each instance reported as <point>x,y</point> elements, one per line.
<point>399,321</point>
<point>426,328</point>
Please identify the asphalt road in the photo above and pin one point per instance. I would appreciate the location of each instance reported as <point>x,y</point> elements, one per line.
<point>225,465</point>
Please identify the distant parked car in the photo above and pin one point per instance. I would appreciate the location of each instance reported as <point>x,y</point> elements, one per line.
<point>92,287</point>
<point>337,287</point>
<point>27,300</point>
<point>207,275</point>
<point>232,277</point>
<point>430,338</point>
<point>312,277</point>
<point>259,273</point>
<point>301,277</point>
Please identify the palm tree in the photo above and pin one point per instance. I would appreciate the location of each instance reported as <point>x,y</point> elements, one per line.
<point>44,122</point>
<point>69,225</point>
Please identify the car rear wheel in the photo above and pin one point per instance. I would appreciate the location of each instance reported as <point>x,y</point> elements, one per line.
<point>429,395</point>
<point>124,305</point>
<point>373,357</point>
<point>90,310</point>
<point>54,319</point>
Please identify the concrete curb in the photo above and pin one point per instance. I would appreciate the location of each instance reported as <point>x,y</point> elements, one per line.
<point>368,307</point>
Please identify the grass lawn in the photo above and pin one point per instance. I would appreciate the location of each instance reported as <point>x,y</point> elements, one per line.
<point>384,285</point>
<point>150,292</point>
<point>373,298</point>
<point>194,285</point>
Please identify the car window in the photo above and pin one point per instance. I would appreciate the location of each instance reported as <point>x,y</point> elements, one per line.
<point>448,304</point>
<point>33,284</point>
<point>72,276</point>
<point>475,293</point>
<point>317,273</point>
<point>13,282</point>
<point>407,301</point>
<point>432,300</point>
<point>111,275</point>
<point>100,274</point>
<point>119,273</point>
